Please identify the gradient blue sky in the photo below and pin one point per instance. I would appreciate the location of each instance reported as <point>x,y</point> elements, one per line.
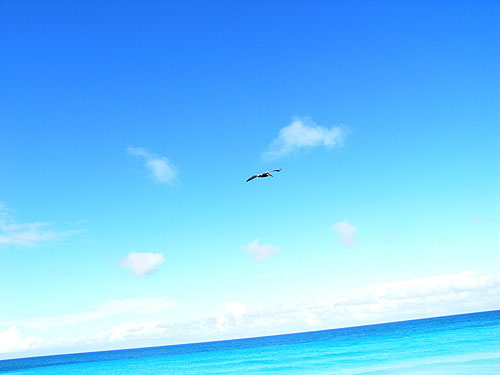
<point>386,208</point>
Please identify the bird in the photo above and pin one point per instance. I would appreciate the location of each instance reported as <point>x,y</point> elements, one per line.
<point>265,174</point>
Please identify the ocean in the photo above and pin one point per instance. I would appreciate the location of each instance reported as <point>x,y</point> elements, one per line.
<point>460,344</point>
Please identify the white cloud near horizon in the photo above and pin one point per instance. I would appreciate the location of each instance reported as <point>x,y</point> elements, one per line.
<point>132,330</point>
<point>439,295</point>
<point>346,233</point>
<point>160,168</point>
<point>431,296</point>
<point>27,234</point>
<point>303,133</point>
<point>11,341</point>
<point>259,252</point>
<point>143,264</point>
<point>233,311</point>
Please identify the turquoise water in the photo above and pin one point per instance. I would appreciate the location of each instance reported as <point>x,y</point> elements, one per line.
<point>461,344</point>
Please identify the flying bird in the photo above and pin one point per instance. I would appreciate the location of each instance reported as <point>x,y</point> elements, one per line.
<point>265,174</point>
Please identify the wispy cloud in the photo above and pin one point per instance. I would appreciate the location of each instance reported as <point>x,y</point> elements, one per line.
<point>483,220</point>
<point>27,234</point>
<point>433,286</point>
<point>111,308</point>
<point>160,168</point>
<point>346,233</point>
<point>260,252</point>
<point>303,133</point>
<point>142,264</point>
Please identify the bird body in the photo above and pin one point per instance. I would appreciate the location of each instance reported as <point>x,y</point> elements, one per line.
<point>265,174</point>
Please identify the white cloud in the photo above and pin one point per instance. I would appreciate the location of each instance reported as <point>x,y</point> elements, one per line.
<point>346,233</point>
<point>132,330</point>
<point>303,133</point>
<point>142,264</point>
<point>235,309</point>
<point>260,252</point>
<point>11,341</point>
<point>159,166</point>
<point>27,234</point>
<point>397,300</point>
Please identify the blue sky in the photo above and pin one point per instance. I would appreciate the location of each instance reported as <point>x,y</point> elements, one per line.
<point>128,130</point>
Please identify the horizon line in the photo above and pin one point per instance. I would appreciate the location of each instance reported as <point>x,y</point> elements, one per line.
<point>240,338</point>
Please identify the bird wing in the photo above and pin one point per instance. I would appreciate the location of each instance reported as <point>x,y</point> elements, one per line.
<point>275,170</point>
<point>251,178</point>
